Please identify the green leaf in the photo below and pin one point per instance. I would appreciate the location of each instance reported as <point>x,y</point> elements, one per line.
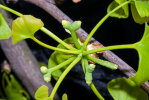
<point>42,93</point>
<point>64,97</point>
<point>25,27</point>
<point>5,31</point>
<point>123,12</point>
<point>58,57</point>
<point>142,47</point>
<point>126,89</point>
<point>16,86</point>
<point>15,83</point>
<point>142,8</point>
<point>13,89</point>
<point>14,95</point>
<point>140,14</point>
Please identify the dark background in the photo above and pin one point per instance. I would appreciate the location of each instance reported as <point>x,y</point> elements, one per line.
<point>113,31</point>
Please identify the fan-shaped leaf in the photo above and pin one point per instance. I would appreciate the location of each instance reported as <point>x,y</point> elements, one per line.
<point>140,14</point>
<point>5,31</point>
<point>126,89</point>
<point>123,12</point>
<point>142,8</point>
<point>24,27</point>
<point>142,47</point>
<point>58,57</point>
<point>42,93</point>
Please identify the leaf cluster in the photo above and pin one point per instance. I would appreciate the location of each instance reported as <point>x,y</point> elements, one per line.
<point>139,10</point>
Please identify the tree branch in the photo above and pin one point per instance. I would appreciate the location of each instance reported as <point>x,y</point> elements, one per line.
<point>50,7</point>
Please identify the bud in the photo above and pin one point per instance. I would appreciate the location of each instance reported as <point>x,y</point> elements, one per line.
<point>88,82</point>
<point>64,22</point>
<point>92,66</point>
<point>47,76</point>
<point>79,22</point>
<point>43,69</point>
<point>47,79</point>
<point>76,25</point>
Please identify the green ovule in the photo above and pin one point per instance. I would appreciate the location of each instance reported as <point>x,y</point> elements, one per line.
<point>72,28</point>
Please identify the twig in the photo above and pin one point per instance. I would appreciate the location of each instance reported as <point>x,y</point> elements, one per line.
<point>50,7</point>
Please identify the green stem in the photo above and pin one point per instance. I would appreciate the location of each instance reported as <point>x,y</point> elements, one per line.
<point>84,62</point>
<point>54,48</point>
<point>96,92</point>
<point>62,64</point>
<point>63,76</point>
<point>42,29</point>
<point>126,46</point>
<point>75,39</point>
<point>103,62</point>
<point>11,10</point>
<point>101,22</point>
<point>56,38</point>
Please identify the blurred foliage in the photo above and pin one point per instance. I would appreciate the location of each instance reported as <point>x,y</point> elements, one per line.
<point>10,88</point>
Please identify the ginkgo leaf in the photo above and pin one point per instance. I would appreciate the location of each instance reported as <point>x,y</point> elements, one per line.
<point>5,31</point>
<point>123,12</point>
<point>126,89</point>
<point>58,57</point>
<point>25,27</point>
<point>140,11</point>
<point>142,47</point>
<point>142,8</point>
<point>42,93</point>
